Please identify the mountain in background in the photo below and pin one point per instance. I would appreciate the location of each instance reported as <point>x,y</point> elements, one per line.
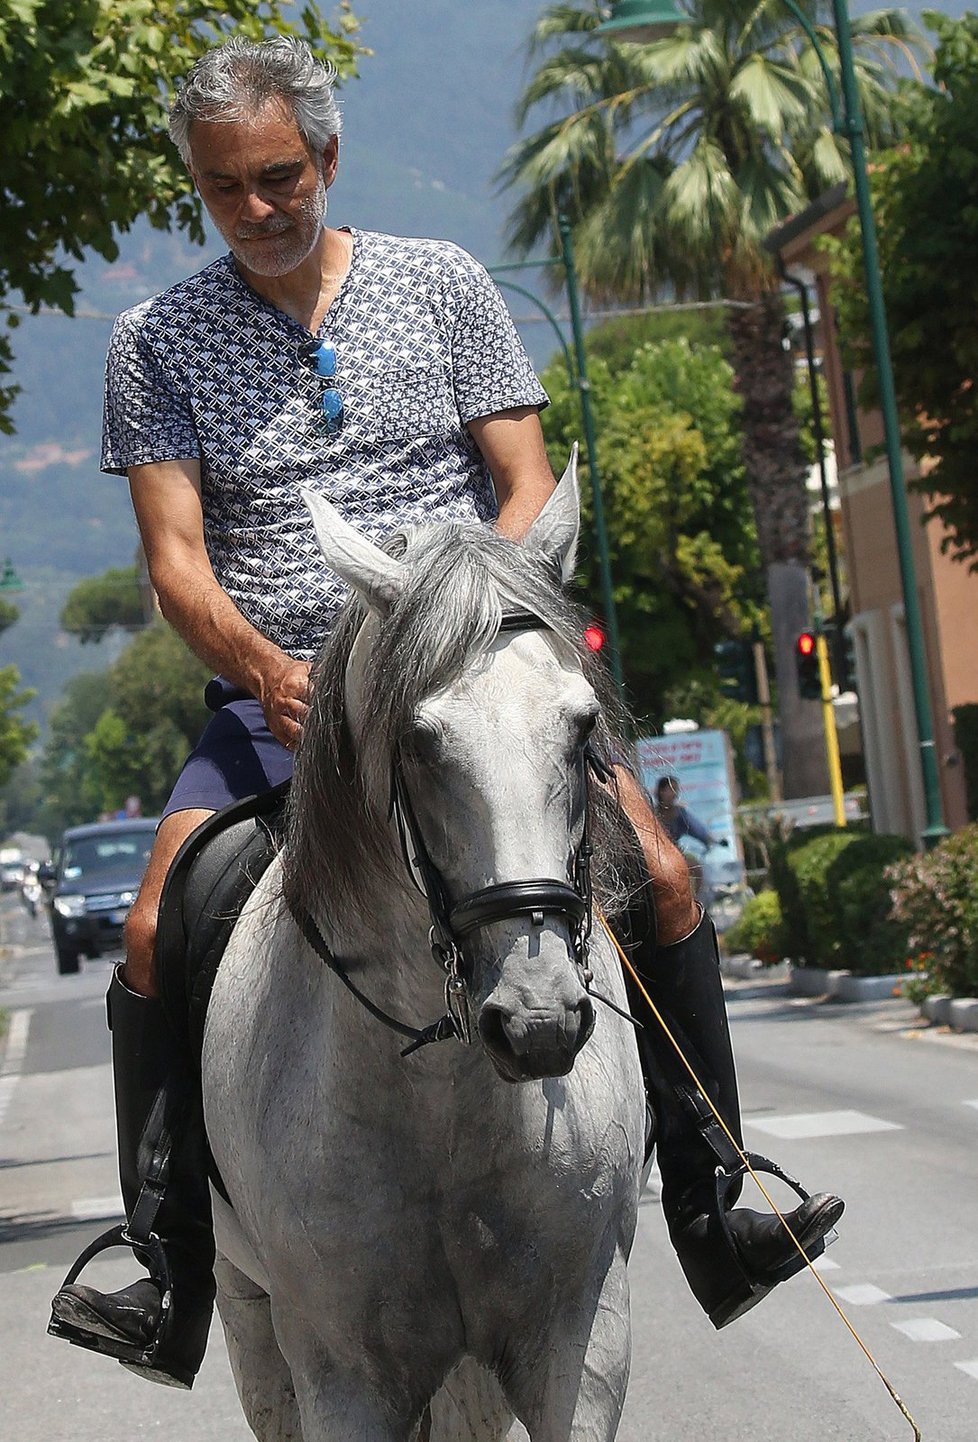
<point>425,128</point>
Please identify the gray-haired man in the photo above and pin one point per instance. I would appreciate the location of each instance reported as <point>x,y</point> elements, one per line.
<point>386,373</point>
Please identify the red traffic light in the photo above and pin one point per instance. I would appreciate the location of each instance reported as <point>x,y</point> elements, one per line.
<point>805,643</point>
<point>593,637</point>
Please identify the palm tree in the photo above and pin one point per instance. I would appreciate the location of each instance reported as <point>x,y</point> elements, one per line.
<point>674,160</point>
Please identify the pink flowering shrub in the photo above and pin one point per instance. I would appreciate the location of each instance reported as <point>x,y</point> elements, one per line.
<point>936,896</point>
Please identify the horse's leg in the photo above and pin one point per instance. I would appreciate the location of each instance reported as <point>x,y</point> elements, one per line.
<point>337,1404</point>
<point>261,1373</point>
<point>578,1390</point>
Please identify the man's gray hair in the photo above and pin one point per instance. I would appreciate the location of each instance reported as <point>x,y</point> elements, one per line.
<point>235,80</point>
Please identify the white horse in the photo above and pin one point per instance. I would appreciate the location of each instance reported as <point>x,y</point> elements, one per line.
<point>419,1247</point>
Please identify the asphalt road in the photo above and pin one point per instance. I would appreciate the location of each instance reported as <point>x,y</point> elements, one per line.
<point>854,1099</point>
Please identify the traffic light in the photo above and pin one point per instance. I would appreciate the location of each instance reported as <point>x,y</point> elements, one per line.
<point>806,661</point>
<point>594,636</point>
<point>735,670</point>
<point>847,667</point>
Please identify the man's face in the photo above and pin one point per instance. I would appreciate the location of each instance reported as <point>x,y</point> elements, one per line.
<point>263,187</point>
<point>668,795</point>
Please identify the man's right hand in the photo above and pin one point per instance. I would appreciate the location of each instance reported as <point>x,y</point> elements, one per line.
<point>284,699</point>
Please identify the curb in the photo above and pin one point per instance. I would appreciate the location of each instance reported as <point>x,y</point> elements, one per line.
<point>841,985</point>
<point>960,1013</point>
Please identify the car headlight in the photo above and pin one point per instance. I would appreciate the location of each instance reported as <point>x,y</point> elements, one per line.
<point>69,905</point>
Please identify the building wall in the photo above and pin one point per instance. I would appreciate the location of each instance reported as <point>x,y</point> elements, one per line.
<point>947,593</point>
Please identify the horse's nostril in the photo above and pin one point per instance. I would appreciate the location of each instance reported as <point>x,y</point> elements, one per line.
<point>492,1029</point>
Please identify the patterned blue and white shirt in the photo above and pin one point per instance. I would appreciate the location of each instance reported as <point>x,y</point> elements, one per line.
<point>209,370</point>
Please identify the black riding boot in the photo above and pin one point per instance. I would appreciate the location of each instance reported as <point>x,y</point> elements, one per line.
<point>157,1326</point>
<point>731,1257</point>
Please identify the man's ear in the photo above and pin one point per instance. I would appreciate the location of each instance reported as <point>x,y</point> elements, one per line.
<point>331,159</point>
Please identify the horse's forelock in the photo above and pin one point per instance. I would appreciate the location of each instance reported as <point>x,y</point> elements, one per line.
<point>459,582</point>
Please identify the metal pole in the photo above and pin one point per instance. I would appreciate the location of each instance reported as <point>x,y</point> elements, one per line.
<point>935,828</point>
<point>584,387</point>
<point>767,720</point>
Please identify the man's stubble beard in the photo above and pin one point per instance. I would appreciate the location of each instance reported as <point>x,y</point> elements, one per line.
<point>288,248</point>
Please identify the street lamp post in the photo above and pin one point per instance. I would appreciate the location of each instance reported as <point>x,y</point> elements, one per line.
<point>579,377</point>
<point>637,20</point>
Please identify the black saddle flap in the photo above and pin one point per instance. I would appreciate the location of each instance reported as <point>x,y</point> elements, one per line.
<point>211,878</point>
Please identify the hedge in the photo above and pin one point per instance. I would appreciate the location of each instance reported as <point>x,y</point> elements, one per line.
<point>759,929</point>
<point>835,901</point>
<point>935,896</point>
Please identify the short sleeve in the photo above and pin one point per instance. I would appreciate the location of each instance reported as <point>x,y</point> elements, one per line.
<point>147,417</point>
<point>491,370</point>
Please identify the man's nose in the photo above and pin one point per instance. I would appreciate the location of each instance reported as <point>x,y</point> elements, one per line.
<point>255,207</point>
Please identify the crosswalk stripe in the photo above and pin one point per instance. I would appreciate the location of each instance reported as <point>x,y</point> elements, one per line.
<point>821,1124</point>
<point>863,1294</point>
<point>89,1209</point>
<point>926,1329</point>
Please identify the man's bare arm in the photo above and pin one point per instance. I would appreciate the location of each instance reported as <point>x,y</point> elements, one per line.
<point>166,499</point>
<point>511,443</point>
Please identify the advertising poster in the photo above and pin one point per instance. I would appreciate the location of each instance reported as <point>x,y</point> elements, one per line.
<point>701,762</point>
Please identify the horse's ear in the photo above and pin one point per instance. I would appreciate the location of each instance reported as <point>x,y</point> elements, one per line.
<point>555,531</point>
<point>378,578</point>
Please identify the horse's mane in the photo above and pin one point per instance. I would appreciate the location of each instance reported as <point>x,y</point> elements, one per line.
<point>460,580</point>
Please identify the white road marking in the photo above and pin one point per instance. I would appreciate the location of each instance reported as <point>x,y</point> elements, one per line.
<point>821,1124</point>
<point>971,1104</point>
<point>863,1294</point>
<point>20,1025</point>
<point>13,1056</point>
<point>970,1367</point>
<point>825,1264</point>
<point>88,1209</point>
<point>926,1329</point>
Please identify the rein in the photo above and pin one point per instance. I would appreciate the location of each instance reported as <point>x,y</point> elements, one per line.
<point>452,925</point>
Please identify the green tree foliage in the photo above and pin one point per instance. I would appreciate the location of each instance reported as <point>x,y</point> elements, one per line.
<point>673,161</point>
<point>84,91</point>
<point>8,615</point>
<point>98,603</point>
<point>70,793</point>
<point>16,734</point>
<point>683,545</point>
<point>124,732</point>
<point>925,199</point>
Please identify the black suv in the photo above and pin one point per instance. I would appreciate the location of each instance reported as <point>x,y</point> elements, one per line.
<point>92,884</point>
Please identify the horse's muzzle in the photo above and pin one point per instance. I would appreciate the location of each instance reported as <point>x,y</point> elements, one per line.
<point>526,1043</point>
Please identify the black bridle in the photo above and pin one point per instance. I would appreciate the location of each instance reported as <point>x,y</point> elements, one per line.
<point>452,924</point>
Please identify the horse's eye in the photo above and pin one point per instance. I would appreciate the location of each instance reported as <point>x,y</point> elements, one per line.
<point>423,743</point>
<point>584,726</point>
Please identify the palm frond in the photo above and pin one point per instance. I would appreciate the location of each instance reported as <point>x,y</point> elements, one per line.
<point>773,96</point>
<point>700,199</point>
<point>560,20</point>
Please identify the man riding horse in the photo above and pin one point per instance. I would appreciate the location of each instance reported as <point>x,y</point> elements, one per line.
<point>386,375</point>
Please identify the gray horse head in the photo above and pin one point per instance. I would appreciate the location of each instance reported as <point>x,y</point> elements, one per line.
<point>487,726</point>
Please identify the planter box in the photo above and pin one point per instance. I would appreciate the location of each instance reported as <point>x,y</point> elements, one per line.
<point>937,1009</point>
<point>741,966</point>
<point>843,986</point>
<point>964,1013</point>
<point>808,981</point>
<point>840,985</point>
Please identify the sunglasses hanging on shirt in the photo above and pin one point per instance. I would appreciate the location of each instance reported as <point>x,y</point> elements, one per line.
<point>320,357</point>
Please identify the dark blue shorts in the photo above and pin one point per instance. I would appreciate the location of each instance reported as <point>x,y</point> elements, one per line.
<point>237,756</point>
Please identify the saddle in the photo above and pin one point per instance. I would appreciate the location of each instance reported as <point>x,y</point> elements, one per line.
<point>212,875</point>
